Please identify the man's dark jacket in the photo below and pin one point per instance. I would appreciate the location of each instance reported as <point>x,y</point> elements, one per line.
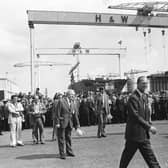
<point>137,127</point>
<point>66,114</point>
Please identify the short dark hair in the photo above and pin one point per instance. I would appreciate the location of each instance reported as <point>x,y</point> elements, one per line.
<point>101,89</point>
<point>12,97</point>
<point>140,78</point>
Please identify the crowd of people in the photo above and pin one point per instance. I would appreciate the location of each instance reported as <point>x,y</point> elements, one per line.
<point>69,110</point>
<point>86,103</point>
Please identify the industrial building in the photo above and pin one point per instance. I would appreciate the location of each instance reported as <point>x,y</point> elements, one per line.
<point>158,82</point>
<point>7,88</point>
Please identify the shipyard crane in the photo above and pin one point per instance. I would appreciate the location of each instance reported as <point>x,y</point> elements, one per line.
<point>41,63</point>
<point>77,50</point>
<point>143,8</point>
<point>132,72</point>
<point>143,18</point>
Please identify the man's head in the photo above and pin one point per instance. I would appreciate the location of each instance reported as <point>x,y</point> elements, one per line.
<point>142,83</point>
<point>101,89</point>
<point>36,99</point>
<point>14,98</point>
<point>70,94</point>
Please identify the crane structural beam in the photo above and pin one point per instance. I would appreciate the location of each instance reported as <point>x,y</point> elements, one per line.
<point>158,6</point>
<point>134,71</point>
<point>95,19</point>
<point>80,54</point>
<point>73,68</point>
<point>82,51</point>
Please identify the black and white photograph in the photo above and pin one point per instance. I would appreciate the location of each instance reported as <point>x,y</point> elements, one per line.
<point>84,84</point>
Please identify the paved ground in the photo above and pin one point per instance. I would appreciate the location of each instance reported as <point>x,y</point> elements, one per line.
<point>90,151</point>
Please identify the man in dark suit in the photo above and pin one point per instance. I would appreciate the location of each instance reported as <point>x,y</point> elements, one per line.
<point>102,109</point>
<point>66,118</point>
<point>1,116</point>
<point>138,128</point>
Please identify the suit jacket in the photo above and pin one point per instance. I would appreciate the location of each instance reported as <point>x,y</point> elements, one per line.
<point>54,108</point>
<point>67,114</point>
<point>102,103</point>
<point>2,113</point>
<point>137,127</point>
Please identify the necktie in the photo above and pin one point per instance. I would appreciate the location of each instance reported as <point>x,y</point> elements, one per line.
<point>143,98</point>
<point>103,99</point>
<point>71,106</point>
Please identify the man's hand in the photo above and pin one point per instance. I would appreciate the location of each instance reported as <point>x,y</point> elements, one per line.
<point>58,125</point>
<point>153,130</point>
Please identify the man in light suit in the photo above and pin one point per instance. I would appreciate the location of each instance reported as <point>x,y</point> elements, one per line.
<point>138,127</point>
<point>66,119</point>
<point>15,109</point>
<point>103,110</point>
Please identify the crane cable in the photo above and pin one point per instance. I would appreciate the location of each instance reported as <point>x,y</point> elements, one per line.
<point>145,46</point>
<point>164,47</point>
<point>149,44</point>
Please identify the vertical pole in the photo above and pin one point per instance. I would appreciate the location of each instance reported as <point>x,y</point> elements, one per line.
<point>38,85</point>
<point>77,56</point>
<point>150,46</point>
<point>164,49</point>
<point>31,26</point>
<point>119,64</point>
<point>38,71</point>
<point>119,58</point>
<point>145,47</point>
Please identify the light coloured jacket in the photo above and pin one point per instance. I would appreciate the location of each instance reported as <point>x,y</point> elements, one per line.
<point>14,110</point>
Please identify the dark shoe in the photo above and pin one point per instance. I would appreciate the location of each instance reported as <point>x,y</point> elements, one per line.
<point>1,133</point>
<point>13,146</point>
<point>42,142</point>
<point>103,135</point>
<point>71,154</point>
<point>98,136</point>
<point>63,157</point>
<point>37,142</point>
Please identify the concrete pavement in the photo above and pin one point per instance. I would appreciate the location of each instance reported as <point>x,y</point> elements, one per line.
<point>91,152</point>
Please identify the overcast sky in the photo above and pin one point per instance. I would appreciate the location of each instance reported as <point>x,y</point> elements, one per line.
<point>14,44</point>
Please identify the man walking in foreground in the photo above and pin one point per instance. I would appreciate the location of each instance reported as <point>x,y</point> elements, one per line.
<point>138,128</point>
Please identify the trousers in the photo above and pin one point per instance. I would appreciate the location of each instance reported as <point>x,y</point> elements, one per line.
<point>145,149</point>
<point>64,140</point>
<point>101,124</point>
<point>15,130</point>
<point>38,125</point>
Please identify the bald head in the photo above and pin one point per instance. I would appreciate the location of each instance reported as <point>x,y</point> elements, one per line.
<point>70,94</point>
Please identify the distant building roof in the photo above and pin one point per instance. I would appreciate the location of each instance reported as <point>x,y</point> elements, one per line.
<point>159,75</point>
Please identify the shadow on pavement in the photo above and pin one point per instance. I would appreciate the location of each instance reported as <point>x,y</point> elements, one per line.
<point>90,137</point>
<point>164,135</point>
<point>5,146</point>
<point>38,156</point>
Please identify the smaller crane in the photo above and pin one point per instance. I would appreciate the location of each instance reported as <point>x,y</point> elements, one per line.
<point>38,64</point>
<point>132,72</point>
<point>41,63</point>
